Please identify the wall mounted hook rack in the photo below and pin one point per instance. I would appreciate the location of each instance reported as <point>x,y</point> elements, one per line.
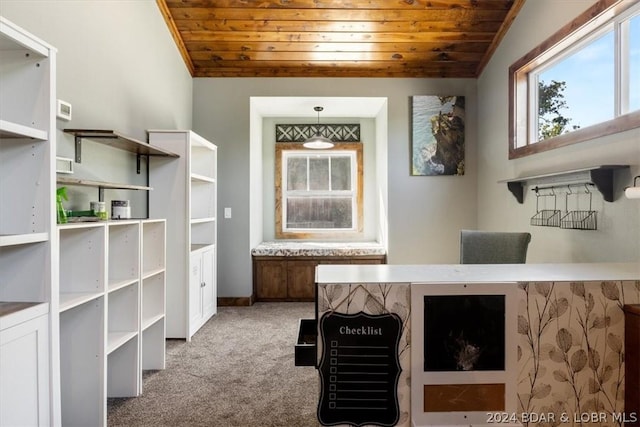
<point>602,177</point>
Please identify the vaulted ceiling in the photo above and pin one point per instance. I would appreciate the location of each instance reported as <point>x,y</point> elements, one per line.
<point>338,38</point>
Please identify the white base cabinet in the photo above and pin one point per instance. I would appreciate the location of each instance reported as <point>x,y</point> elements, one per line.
<point>202,290</point>
<point>24,368</point>
<point>188,200</point>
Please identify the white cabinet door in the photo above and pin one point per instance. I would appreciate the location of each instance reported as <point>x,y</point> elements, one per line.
<point>195,291</point>
<point>209,293</point>
<point>202,288</point>
<point>24,373</point>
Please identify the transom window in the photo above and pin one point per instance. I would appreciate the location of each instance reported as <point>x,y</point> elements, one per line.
<point>319,193</point>
<point>578,85</point>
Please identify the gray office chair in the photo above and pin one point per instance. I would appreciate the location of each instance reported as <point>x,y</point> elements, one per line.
<point>493,247</point>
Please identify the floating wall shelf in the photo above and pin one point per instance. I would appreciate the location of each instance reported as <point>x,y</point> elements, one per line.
<point>117,140</point>
<point>100,185</point>
<point>600,176</point>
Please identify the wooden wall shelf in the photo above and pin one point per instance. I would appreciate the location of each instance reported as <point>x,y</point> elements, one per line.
<point>100,185</point>
<point>117,140</point>
<point>600,176</point>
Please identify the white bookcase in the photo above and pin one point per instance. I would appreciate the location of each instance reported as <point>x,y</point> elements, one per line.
<point>189,203</point>
<point>83,326</point>
<point>153,327</point>
<point>29,388</point>
<point>123,315</point>
<point>112,280</point>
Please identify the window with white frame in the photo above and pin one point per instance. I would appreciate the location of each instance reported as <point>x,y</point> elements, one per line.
<point>319,193</point>
<point>580,84</point>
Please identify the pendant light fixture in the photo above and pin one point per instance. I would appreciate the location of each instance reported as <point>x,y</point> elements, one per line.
<point>317,141</point>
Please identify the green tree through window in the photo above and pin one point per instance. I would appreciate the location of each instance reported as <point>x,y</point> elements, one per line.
<point>551,100</point>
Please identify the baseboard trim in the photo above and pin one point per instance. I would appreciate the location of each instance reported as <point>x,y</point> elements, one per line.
<point>235,301</point>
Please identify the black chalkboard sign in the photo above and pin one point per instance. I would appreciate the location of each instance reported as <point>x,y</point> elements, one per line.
<point>359,369</point>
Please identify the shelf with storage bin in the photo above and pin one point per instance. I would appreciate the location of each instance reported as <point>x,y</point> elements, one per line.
<point>600,176</point>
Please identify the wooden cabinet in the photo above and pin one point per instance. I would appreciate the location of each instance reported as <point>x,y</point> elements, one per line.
<point>270,279</point>
<point>189,202</point>
<point>283,278</point>
<point>29,390</point>
<point>301,276</point>
<point>632,363</point>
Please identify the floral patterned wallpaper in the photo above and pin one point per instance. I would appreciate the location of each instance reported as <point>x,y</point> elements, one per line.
<point>571,352</point>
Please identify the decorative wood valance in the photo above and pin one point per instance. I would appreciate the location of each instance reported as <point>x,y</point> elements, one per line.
<point>336,132</point>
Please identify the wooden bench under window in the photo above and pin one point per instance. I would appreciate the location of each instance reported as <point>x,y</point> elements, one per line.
<point>285,271</point>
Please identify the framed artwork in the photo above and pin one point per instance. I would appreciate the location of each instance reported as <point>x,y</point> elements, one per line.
<point>437,135</point>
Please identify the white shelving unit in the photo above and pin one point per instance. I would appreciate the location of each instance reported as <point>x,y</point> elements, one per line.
<point>189,203</point>
<point>123,316</point>
<point>112,278</point>
<point>83,327</point>
<point>152,325</point>
<point>29,388</point>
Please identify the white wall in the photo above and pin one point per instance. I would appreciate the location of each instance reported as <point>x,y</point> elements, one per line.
<point>618,234</point>
<point>425,213</point>
<point>120,69</point>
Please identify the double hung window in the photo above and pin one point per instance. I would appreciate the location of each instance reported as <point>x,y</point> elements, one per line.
<point>319,193</point>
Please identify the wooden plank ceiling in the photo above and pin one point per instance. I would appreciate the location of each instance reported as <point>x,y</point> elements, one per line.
<point>338,38</point>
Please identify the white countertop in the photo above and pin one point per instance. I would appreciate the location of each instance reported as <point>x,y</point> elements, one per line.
<point>448,273</point>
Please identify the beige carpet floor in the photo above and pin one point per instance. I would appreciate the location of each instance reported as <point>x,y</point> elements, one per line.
<point>238,370</point>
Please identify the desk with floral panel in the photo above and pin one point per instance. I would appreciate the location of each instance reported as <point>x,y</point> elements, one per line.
<point>567,334</point>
